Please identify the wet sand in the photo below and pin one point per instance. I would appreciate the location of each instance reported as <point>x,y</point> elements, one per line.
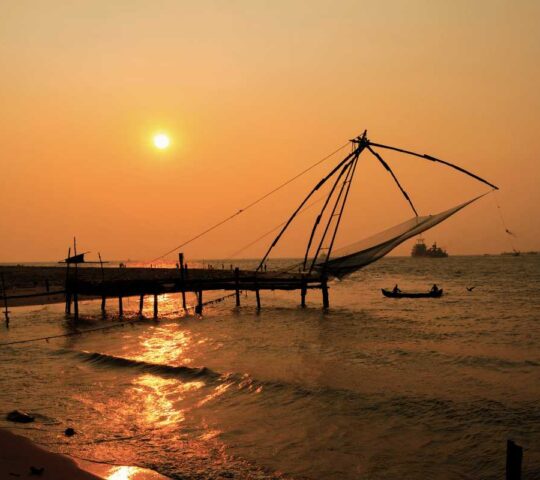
<point>18,456</point>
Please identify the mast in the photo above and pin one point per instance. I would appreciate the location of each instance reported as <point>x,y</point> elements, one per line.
<point>361,143</point>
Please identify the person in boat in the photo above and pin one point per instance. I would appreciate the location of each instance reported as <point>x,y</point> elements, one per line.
<point>396,289</point>
<point>434,288</point>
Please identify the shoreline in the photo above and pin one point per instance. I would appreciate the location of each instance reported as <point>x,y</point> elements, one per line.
<point>19,455</point>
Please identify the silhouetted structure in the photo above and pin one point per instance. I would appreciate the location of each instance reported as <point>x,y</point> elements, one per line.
<point>514,457</point>
<point>420,250</point>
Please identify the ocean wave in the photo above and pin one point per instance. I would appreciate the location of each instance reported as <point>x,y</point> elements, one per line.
<point>440,411</point>
<point>482,361</point>
<point>148,367</point>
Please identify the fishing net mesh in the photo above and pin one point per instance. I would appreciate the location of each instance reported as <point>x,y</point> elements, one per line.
<point>359,254</point>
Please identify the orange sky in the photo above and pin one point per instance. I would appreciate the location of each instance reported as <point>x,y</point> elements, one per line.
<point>252,92</point>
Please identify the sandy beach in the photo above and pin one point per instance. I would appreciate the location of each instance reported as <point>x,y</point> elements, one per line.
<point>20,458</point>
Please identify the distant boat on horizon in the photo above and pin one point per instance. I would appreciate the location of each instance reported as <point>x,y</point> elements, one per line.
<point>421,250</point>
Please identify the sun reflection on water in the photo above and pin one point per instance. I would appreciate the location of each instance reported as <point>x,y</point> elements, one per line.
<point>155,392</point>
<point>131,473</point>
<point>167,345</point>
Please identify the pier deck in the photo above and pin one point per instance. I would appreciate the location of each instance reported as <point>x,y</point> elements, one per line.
<point>27,285</point>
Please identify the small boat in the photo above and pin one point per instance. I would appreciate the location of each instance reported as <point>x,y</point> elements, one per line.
<point>430,294</point>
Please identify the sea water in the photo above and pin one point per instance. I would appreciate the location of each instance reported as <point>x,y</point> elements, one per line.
<point>373,388</point>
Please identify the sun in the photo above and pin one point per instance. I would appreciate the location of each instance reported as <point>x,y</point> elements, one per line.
<point>161,141</point>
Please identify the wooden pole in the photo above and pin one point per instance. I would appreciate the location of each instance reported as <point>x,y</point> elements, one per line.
<point>237,283</point>
<point>141,303</point>
<point>257,294</point>
<point>68,303</point>
<point>75,293</point>
<point>101,266</point>
<point>514,457</point>
<point>258,297</point>
<point>120,306</point>
<point>183,278</point>
<point>103,298</point>
<point>66,283</point>
<point>303,293</point>
<point>199,307</point>
<point>6,311</point>
<point>155,305</point>
<point>324,287</point>
<point>76,304</point>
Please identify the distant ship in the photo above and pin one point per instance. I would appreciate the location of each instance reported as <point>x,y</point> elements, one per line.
<point>420,250</point>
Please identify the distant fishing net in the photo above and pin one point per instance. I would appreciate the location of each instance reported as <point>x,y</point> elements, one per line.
<point>359,254</point>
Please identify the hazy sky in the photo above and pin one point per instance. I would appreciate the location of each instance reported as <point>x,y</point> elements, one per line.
<point>252,92</point>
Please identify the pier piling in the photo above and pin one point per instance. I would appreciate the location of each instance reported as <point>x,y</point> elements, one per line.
<point>68,302</point>
<point>66,285</point>
<point>182,278</point>
<point>303,292</point>
<point>155,306</point>
<point>120,306</point>
<point>4,295</point>
<point>76,305</point>
<point>258,297</point>
<point>257,294</point>
<point>237,284</point>
<point>141,304</point>
<point>199,307</point>
<point>514,457</point>
<point>324,288</point>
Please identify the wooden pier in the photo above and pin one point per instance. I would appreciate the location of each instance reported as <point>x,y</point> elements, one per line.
<point>40,285</point>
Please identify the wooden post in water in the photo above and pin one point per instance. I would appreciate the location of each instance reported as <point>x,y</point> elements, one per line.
<point>324,287</point>
<point>514,456</point>
<point>76,304</point>
<point>101,266</point>
<point>120,306</point>
<point>257,294</point>
<point>103,298</point>
<point>6,311</point>
<point>183,279</point>
<point>199,307</point>
<point>155,305</point>
<point>68,302</point>
<point>75,293</point>
<point>67,286</point>
<point>141,303</point>
<point>303,293</point>
<point>237,283</point>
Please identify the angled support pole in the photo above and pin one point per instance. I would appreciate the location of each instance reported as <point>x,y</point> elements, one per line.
<point>387,167</point>
<point>351,155</point>
<point>434,159</point>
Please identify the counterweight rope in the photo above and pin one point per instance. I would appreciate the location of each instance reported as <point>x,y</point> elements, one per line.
<point>258,239</point>
<point>255,202</point>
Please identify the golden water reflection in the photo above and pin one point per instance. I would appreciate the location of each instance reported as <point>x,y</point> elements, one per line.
<point>132,473</point>
<point>155,393</point>
<point>167,345</point>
